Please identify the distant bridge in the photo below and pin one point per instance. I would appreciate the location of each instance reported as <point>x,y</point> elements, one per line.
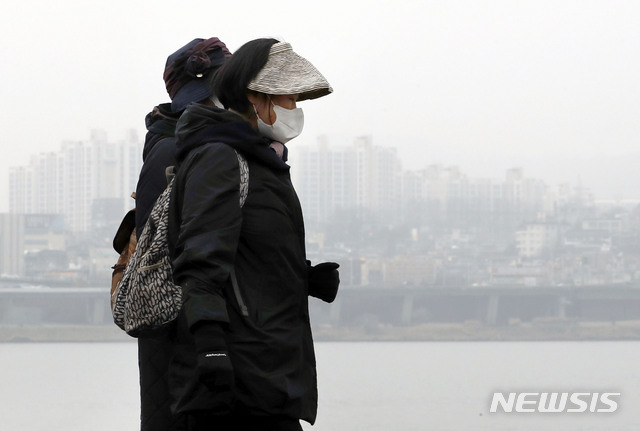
<point>43,304</point>
<point>493,305</point>
<point>401,305</point>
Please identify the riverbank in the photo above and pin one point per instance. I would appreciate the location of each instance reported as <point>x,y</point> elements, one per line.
<point>62,333</point>
<point>544,330</point>
<point>547,330</point>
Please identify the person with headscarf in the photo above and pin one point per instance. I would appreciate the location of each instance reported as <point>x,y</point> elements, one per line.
<point>187,75</point>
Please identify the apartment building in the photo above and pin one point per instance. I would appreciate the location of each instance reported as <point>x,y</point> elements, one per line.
<point>79,180</point>
<point>357,176</point>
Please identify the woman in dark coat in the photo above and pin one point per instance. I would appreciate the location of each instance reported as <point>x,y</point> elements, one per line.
<point>199,57</point>
<point>244,356</point>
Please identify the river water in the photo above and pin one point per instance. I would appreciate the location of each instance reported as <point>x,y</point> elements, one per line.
<point>376,386</point>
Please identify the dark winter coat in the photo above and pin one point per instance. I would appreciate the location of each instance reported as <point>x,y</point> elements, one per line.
<point>269,342</point>
<point>154,353</point>
<point>159,152</point>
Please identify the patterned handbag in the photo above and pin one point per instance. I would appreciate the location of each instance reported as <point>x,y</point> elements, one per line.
<point>146,298</point>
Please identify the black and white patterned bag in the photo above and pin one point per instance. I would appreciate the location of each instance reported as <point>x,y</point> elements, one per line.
<point>146,298</point>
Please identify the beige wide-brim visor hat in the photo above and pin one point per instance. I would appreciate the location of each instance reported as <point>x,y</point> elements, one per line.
<point>288,73</point>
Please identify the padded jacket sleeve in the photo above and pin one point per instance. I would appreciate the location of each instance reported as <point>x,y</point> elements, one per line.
<point>209,230</point>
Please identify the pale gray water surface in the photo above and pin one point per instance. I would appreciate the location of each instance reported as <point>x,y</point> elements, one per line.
<point>363,386</point>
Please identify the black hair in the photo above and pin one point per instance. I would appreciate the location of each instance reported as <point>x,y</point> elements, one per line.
<point>231,80</point>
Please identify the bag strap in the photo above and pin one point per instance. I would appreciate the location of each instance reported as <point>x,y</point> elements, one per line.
<point>244,178</point>
<point>170,173</point>
<point>244,191</point>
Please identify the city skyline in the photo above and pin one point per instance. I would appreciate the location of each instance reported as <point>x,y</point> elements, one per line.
<point>435,229</point>
<point>94,160</point>
<point>603,193</point>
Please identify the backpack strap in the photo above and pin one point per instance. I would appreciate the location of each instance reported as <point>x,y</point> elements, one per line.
<point>170,173</point>
<point>244,191</point>
<point>244,178</point>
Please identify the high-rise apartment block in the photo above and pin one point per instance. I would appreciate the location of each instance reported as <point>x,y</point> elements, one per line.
<point>87,182</point>
<point>354,177</point>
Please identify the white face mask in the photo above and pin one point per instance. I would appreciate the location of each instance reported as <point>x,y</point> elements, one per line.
<point>288,124</point>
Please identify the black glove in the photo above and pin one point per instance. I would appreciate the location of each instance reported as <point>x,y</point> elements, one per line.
<point>213,368</point>
<point>324,280</point>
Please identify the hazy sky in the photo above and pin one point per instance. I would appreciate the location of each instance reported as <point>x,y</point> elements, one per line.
<point>552,86</point>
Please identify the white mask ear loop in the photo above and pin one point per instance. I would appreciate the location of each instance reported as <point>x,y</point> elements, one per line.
<point>274,112</point>
<point>255,110</point>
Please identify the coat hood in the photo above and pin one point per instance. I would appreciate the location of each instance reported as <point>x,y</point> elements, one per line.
<point>201,124</point>
<point>161,123</point>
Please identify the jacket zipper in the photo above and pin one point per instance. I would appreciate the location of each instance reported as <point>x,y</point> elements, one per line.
<point>236,290</point>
